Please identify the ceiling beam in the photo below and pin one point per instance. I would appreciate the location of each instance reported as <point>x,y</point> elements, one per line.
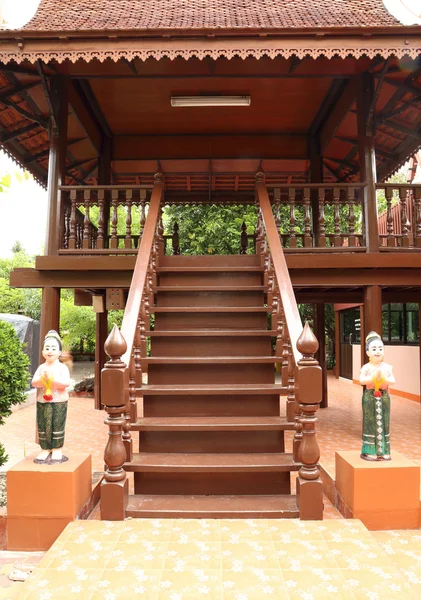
<point>185,146</point>
<point>338,113</point>
<point>78,102</point>
<point>8,137</point>
<point>95,108</point>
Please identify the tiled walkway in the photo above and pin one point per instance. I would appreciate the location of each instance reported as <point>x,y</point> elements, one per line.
<point>182,559</point>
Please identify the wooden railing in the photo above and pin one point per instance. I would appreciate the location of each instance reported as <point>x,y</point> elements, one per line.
<point>123,373</point>
<point>295,348</point>
<point>94,215</point>
<point>338,223</point>
<point>400,223</point>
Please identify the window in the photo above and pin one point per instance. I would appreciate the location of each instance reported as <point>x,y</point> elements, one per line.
<point>401,323</point>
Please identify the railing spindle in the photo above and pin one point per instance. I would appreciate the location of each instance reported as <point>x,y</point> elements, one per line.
<point>114,219</point>
<point>404,217</point>
<point>72,237</point>
<point>307,219</point>
<point>337,240</point>
<point>352,240</point>
<point>417,200</point>
<point>243,239</point>
<point>322,230</point>
<point>175,241</point>
<point>292,234</point>
<point>389,218</point>
<point>128,238</point>
<point>101,219</point>
<point>87,221</point>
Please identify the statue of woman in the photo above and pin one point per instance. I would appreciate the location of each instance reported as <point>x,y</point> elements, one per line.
<point>51,378</point>
<point>376,376</point>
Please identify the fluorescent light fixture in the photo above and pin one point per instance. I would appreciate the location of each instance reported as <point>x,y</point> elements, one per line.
<point>184,101</point>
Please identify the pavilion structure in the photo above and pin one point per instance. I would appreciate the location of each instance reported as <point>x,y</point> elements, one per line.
<point>305,110</point>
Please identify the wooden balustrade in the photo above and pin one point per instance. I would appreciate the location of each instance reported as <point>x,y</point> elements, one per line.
<point>295,346</point>
<point>340,221</point>
<point>400,222</point>
<point>103,217</point>
<point>122,375</point>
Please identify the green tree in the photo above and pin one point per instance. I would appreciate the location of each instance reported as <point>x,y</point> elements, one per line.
<point>210,228</point>
<point>14,375</point>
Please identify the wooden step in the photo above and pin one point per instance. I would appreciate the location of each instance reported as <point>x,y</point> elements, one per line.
<point>212,424</point>
<point>211,390</point>
<point>210,309</point>
<point>211,269</point>
<point>212,360</point>
<point>158,462</point>
<point>212,332</point>
<point>216,260</point>
<point>210,288</point>
<point>213,507</point>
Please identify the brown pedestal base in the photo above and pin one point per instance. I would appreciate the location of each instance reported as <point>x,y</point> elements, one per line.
<point>383,494</point>
<point>114,499</point>
<point>43,499</point>
<point>310,499</point>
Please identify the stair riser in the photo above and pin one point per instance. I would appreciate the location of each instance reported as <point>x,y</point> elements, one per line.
<point>212,483</point>
<point>212,406</point>
<point>230,298</point>
<point>174,321</point>
<point>212,441</point>
<point>211,261</point>
<point>166,374</point>
<point>211,278</point>
<point>228,514</point>
<point>210,346</point>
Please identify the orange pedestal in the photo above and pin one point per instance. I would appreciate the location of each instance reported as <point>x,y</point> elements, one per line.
<point>43,499</point>
<point>384,494</point>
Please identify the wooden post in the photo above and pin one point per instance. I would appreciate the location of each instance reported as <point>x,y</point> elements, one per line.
<point>100,355</point>
<point>365,94</point>
<point>319,328</point>
<point>372,309</point>
<point>337,344</point>
<point>56,164</point>
<point>363,333</point>
<point>50,313</point>
<point>316,176</point>
<point>308,376</point>
<point>114,488</point>
<point>104,178</point>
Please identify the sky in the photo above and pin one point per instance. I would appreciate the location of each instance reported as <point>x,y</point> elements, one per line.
<point>23,207</point>
<point>23,211</point>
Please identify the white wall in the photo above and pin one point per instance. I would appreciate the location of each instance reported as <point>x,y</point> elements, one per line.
<point>406,366</point>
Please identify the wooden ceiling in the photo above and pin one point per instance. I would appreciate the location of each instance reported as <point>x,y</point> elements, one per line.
<point>291,100</point>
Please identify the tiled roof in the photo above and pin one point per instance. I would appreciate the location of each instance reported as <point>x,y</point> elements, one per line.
<point>86,15</point>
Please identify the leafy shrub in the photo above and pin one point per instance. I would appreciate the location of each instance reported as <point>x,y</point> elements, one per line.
<point>14,374</point>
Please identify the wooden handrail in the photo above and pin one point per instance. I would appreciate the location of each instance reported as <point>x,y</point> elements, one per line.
<point>131,313</point>
<point>292,316</point>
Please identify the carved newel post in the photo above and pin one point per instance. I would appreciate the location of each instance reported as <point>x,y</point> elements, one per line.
<point>114,378</point>
<point>308,382</point>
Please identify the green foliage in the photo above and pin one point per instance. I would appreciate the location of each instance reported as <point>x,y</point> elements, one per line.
<point>11,299</point>
<point>210,229</point>
<point>77,326</point>
<point>5,182</point>
<point>14,299</point>
<point>14,374</point>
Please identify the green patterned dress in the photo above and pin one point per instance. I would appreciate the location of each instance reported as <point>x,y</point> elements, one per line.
<point>376,423</point>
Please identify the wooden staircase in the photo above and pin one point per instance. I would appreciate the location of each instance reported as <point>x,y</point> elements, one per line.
<point>211,438</point>
<point>210,421</point>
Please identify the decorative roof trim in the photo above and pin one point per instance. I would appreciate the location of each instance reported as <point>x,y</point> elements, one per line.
<point>116,49</point>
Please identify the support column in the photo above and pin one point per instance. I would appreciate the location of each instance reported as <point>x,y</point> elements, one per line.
<point>56,163</point>
<point>337,344</point>
<point>320,356</point>
<point>363,334</point>
<point>316,176</point>
<point>104,178</point>
<point>372,309</point>
<point>50,313</point>
<point>100,355</point>
<point>365,96</point>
